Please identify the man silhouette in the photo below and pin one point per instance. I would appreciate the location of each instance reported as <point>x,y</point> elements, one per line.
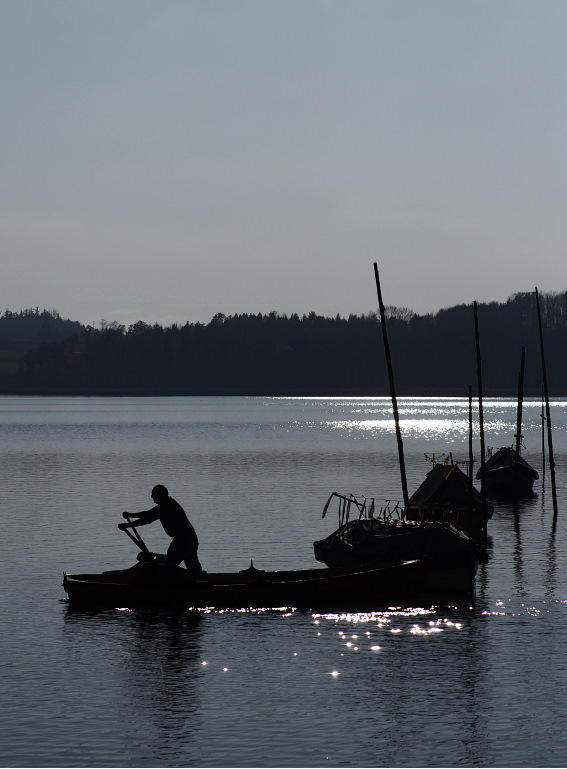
<point>184,542</point>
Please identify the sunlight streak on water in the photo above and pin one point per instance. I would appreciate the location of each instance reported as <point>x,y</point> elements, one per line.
<point>449,429</point>
<point>430,419</point>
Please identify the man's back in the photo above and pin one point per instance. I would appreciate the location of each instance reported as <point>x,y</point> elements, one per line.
<point>174,519</point>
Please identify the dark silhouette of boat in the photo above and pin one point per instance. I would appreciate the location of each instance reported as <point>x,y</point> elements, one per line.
<point>507,475</point>
<point>447,495</point>
<point>153,583</point>
<point>376,541</point>
<point>432,529</point>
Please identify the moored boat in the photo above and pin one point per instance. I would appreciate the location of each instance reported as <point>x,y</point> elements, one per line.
<point>389,536</point>
<point>374,541</point>
<point>508,475</point>
<point>447,494</point>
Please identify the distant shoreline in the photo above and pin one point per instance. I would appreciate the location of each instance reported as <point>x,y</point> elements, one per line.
<point>150,393</point>
<point>279,356</point>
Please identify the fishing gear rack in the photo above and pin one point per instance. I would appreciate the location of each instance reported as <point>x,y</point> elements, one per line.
<point>347,503</point>
<point>447,459</point>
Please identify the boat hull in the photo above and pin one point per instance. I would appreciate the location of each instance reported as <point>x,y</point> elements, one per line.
<point>507,476</point>
<point>152,585</point>
<point>373,540</point>
<point>505,483</point>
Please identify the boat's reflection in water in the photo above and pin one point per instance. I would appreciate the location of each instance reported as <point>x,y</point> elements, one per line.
<point>515,518</point>
<point>172,669</point>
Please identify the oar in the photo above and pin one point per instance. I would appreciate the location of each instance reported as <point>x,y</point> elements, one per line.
<point>135,535</point>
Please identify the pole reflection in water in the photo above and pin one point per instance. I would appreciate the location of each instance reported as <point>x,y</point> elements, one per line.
<point>518,572</point>
<point>550,582</point>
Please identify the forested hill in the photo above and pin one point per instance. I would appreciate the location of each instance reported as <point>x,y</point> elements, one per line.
<point>27,329</point>
<point>309,355</point>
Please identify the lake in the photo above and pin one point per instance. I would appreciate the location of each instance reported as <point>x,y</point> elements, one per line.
<point>483,685</point>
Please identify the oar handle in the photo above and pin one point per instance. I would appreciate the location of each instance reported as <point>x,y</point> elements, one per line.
<point>135,534</point>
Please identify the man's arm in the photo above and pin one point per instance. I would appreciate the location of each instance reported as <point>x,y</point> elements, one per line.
<point>142,518</point>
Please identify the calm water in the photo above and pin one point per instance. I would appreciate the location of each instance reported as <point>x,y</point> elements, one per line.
<point>484,686</point>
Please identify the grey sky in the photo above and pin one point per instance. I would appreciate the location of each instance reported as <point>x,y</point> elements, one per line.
<point>170,160</point>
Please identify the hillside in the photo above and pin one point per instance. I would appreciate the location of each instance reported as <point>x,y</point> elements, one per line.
<point>275,354</point>
<point>27,329</point>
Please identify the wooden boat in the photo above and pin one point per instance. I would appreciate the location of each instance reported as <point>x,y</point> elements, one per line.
<point>447,494</point>
<point>370,540</point>
<point>390,536</point>
<point>154,583</point>
<point>507,475</point>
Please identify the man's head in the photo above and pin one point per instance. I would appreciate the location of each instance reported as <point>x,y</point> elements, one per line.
<point>159,493</point>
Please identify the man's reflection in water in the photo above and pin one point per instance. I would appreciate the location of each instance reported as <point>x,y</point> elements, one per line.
<point>163,664</point>
<point>156,661</point>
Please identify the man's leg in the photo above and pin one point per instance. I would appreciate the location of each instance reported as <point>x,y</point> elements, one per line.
<point>175,552</point>
<point>184,550</point>
<point>192,562</point>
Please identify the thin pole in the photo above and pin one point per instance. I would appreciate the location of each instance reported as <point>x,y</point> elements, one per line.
<point>542,415</point>
<point>480,415</point>
<point>518,435</point>
<point>547,412</point>
<point>470,438</point>
<point>392,389</point>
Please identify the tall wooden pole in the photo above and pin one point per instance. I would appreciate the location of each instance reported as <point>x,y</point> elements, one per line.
<point>518,435</point>
<point>392,388</point>
<point>542,415</point>
<point>470,439</point>
<point>547,412</point>
<point>480,416</point>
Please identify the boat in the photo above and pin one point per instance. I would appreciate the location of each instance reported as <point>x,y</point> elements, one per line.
<point>507,475</point>
<point>447,495</point>
<point>390,536</point>
<point>154,583</point>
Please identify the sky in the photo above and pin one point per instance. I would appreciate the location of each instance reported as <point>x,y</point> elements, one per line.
<point>172,159</point>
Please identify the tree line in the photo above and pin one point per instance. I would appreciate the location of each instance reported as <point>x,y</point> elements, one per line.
<point>275,354</point>
<point>25,330</point>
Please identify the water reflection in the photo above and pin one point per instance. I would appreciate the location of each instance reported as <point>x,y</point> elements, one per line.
<point>518,565</point>
<point>550,578</point>
<point>428,418</point>
<point>162,669</point>
<point>401,684</point>
<point>156,661</point>
<point>516,513</point>
<point>445,426</point>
